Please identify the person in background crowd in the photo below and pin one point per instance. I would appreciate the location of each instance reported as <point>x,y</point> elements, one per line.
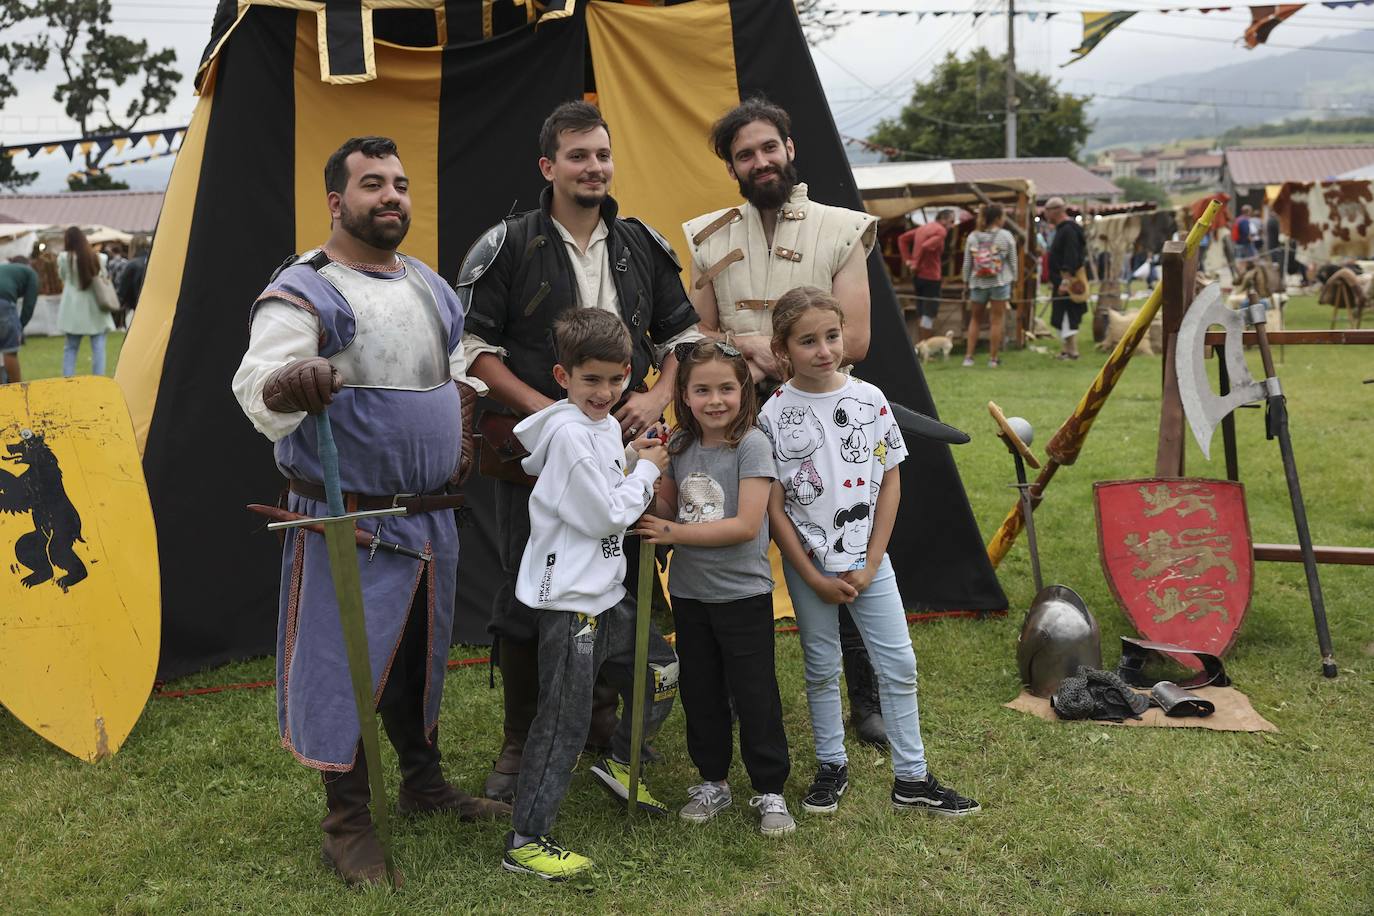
<point>78,314</point>
<point>1243,234</point>
<point>989,271</point>
<point>923,251</point>
<point>18,295</point>
<point>1067,252</point>
<point>130,283</point>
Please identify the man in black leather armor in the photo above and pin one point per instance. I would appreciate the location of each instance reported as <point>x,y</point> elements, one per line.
<point>573,251</point>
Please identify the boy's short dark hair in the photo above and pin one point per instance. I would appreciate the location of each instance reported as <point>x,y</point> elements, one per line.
<point>750,110</point>
<point>578,117</point>
<point>585,334</point>
<point>336,169</point>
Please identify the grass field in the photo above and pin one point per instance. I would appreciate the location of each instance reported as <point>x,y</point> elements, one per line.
<point>202,811</point>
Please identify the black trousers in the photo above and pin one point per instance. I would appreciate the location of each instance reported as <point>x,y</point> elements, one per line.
<point>726,649</point>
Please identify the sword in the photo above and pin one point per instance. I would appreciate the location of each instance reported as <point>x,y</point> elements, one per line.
<point>340,539</point>
<point>640,673</point>
<point>373,542</point>
<point>1205,409</point>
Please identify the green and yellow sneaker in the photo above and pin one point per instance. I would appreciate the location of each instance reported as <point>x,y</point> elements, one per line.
<point>543,857</point>
<point>614,776</point>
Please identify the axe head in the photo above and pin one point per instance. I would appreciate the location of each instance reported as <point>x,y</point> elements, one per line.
<point>1204,407</point>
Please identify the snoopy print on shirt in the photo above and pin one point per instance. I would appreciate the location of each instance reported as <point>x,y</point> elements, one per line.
<point>832,450</point>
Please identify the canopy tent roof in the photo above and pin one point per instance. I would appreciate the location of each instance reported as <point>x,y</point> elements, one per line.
<point>893,189</point>
<point>1257,166</point>
<point>127,211</point>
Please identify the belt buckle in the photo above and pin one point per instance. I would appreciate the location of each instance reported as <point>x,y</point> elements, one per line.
<point>396,499</point>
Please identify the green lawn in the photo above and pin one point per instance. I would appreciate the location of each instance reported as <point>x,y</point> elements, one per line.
<point>203,812</point>
<point>41,357</point>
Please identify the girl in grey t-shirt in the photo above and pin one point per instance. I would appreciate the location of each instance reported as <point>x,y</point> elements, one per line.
<point>713,507</point>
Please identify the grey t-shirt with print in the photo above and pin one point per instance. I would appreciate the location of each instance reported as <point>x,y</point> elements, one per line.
<point>707,491</point>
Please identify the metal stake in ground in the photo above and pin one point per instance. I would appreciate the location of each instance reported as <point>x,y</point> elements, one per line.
<point>1205,409</point>
<point>341,542</point>
<point>1018,434</point>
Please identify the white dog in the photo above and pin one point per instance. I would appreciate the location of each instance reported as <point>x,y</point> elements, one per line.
<point>927,348</point>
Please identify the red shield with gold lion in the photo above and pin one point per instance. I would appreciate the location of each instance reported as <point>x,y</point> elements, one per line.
<point>1178,557</point>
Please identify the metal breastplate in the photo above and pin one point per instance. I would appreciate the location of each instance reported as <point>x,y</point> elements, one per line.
<point>399,341</point>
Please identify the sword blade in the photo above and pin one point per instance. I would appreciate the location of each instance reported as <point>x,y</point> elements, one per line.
<point>341,545</point>
<point>348,591</point>
<point>641,671</point>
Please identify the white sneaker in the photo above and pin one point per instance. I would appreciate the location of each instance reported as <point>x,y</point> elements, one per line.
<point>968,362</point>
<point>773,817</point>
<point>708,800</point>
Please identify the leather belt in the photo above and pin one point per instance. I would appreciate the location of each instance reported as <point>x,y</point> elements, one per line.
<point>360,502</point>
<point>755,305</point>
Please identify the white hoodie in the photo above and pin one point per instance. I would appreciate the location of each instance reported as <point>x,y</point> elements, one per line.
<point>579,510</point>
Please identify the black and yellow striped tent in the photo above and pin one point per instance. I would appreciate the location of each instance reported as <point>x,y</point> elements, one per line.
<point>462,86</point>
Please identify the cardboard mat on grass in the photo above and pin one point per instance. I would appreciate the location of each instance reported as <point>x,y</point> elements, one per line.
<point>1234,713</point>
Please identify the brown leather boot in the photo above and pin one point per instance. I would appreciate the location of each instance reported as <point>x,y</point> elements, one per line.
<point>351,847</point>
<point>520,689</point>
<point>424,790</point>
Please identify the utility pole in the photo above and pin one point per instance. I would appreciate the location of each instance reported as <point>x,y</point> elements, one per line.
<point>1011,79</point>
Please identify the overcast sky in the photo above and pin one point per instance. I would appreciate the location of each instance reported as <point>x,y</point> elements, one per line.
<point>867,68</point>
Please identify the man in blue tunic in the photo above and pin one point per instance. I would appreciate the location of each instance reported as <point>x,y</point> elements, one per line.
<point>376,337</point>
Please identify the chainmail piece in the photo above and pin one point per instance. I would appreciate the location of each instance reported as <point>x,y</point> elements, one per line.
<point>1093,694</point>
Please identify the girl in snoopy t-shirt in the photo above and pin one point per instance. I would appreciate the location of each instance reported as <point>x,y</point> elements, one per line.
<point>837,448</point>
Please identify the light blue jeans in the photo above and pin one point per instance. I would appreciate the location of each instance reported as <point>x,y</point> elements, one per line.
<point>881,619</point>
<point>73,346</point>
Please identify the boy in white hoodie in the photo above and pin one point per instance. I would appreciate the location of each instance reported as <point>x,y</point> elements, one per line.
<point>572,570</point>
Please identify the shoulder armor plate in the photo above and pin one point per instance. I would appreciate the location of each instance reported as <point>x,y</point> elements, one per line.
<point>481,255</point>
<point>315,257</point>
<point>657,237</point>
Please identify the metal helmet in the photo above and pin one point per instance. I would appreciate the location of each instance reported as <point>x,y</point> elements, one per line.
<point>1058,635</point>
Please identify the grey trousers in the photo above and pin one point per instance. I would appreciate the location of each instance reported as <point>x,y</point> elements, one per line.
<point>573,649</point>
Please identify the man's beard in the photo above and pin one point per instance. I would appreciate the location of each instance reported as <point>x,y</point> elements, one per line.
<point>770,196</point>
<point>592,201</point>
<point>383,236</point>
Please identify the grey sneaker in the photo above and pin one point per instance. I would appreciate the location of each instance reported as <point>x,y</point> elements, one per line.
<point>773,817</point>
<point>708,800</point>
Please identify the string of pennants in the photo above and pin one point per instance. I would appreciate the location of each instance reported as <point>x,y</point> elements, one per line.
<point>1098,24</point>
<point>110,165</point>
<point>99,143</point>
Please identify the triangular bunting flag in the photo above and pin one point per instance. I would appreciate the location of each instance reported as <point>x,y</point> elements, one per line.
<point>1264,19</point>
<point>1096,26</point>
<point>34,149</point>
<point>119,143</point>
<point>69,147</point>
<point>170,135</point>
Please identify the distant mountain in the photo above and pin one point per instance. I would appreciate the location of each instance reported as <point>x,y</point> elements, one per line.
<point>1304,83</point>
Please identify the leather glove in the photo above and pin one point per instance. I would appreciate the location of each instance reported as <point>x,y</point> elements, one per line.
<point>307,384</point>
<point>468,396</point>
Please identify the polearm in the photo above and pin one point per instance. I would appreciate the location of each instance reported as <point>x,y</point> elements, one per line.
<point>1063,449</point>
<point>340,538</point>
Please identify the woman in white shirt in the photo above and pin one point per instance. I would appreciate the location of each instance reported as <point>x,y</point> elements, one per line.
<point>78,314</point>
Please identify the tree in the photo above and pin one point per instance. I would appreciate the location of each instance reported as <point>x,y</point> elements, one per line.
<point>94,181</point>
<point>959,113</point>
<point>819,21</point>
<point>14,57</point>
<point>95,62</point>
<point>1142,190</point>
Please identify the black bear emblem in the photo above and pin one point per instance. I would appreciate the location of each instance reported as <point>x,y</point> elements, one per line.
<point>56,523</point>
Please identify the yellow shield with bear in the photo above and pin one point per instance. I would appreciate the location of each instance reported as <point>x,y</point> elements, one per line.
<point>80,608</point>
